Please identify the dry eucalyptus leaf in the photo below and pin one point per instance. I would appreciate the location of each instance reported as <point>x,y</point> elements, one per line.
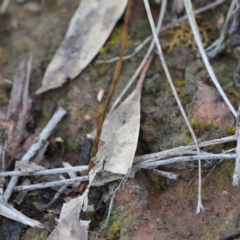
<point>28,167</point>
<point>69,226</point>
<point>8,211</point>
<point>88,30</point>
<point>84,229</point>
<point>70,174</point>
<point>120,136</point>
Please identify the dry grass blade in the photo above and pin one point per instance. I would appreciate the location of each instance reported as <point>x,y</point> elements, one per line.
<point>215,48</point>
<point>140,67</point>
<point>199,207</point>
<point>197,37</point>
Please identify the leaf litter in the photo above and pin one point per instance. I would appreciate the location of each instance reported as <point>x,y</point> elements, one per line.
<point>88,30</point>
<point>104,162</point>
<point>120,133</point>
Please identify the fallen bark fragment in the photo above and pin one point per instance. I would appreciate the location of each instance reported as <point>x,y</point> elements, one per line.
<point>18,112</point>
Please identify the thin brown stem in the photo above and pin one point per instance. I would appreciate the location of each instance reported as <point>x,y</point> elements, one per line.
<point>115,77</point>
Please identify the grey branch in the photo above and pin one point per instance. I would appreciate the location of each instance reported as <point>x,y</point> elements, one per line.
<point>51,184</point>
<point>45,172</point>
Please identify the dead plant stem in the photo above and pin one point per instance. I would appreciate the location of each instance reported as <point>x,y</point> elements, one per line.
<point>161,56</point>
<point>115,77</point>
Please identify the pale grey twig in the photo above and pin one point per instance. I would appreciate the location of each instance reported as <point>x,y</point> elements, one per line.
<point>236,174</point>
<point>181,150</point>
<point>18,199</point>
<point>146,57</point>
<point>221,160</point>
<point>4,6</point>
<point>44,172</point>
<point>198,11</point>
<point>161,162</point>
<point>51,184</point>
<point>161,56</point>
<point>218,45</point>
<point>197,37</point>
<point>144,165</point>
<point>56,196</point>
<point>58,115</point>
<point>111,203</point>
<point>36,146</point>
<point>169,175</point>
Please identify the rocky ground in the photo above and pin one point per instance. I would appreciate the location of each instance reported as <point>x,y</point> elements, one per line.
<point>148,206</point>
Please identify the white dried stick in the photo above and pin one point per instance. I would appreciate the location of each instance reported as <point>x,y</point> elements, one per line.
<point>45,172</point>
<point>36,146</point>
<point>51,184</point>
<point>236,174</point>
<point>215,48</point>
